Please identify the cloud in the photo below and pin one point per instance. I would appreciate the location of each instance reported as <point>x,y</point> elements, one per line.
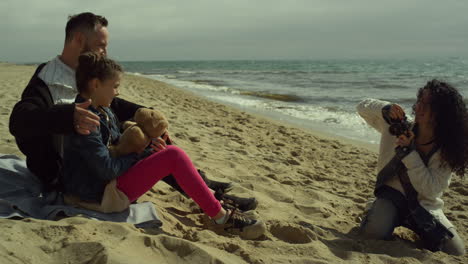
<point>262,29</point>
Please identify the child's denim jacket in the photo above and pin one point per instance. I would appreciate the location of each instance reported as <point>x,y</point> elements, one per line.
<point>87,164</point>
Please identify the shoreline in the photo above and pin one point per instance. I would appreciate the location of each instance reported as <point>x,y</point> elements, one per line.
<point>315,131</point>
<point>278,118</point>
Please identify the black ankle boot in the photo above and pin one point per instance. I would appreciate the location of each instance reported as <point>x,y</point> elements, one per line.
<point>231,201</point>
<point>223,187</point>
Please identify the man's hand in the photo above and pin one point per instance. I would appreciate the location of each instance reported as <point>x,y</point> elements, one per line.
<point>83,120</point>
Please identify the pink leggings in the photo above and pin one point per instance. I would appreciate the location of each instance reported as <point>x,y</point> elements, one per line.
<point>137,180</point>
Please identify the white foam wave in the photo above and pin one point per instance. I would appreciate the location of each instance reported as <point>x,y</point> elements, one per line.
<point>341,123</point>
<point>331,120</point>
<point>346,124</point>
<point>135,73</point>
<point>238,101</point>
<point>187,72</point>
<point>190,85</point>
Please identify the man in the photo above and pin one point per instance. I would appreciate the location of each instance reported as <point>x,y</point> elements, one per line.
<point>46,110</point>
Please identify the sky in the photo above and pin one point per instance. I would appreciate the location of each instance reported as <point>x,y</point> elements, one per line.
<point>33,31</point>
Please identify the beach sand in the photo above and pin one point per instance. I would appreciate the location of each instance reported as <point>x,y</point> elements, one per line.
<point>311,190</point>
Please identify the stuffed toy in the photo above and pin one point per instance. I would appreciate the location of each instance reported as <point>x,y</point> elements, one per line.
<point>137,135</point>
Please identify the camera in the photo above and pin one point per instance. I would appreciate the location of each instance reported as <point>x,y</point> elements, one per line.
<point>397,127</point>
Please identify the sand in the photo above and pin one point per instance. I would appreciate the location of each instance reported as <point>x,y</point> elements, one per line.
<point>311,191</point>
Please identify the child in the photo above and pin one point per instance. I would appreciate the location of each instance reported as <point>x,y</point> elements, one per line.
<point>95,180</point>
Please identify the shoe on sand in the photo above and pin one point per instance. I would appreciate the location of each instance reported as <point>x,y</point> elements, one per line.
<point>241,225</point>
<point>223,187</point>
<point>231,201</point>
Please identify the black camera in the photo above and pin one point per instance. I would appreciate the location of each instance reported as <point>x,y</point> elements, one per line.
<point>397,127</point>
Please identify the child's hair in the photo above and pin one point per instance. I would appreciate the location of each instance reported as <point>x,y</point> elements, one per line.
<point>93,65</point>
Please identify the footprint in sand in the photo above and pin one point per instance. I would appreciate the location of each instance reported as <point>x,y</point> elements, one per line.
<point>462,216</point>
<point>358,200</point>
<point>292,161</point>
<point>460,190</point>
<point>457,208</point>
<point>241,151</point>
<point>185,249</point>
<point>231,247</point>
<point>181,135</point>
<point>82,252</point>
<point>55,231</point>
<point>194,139</point>
<point>295,153</point>
<point>313,210</point>
<point>292,234</point>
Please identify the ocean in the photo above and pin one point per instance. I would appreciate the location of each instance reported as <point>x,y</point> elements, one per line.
<point>321,95</point>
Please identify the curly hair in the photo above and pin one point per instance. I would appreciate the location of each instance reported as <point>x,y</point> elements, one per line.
<point>94,65</point>
<point>451,123</point>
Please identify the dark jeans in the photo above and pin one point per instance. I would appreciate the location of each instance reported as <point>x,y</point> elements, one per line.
<point>385,215</point>
<point>173,183</point>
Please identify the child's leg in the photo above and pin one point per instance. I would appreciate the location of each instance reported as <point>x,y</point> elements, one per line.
<point>173,160</point>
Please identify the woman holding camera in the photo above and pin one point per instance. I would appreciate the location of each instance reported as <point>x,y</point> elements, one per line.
<point>426,154</point>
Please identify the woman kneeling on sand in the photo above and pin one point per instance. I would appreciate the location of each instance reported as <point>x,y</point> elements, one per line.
<point>95,180</point>
<point>415,165</point>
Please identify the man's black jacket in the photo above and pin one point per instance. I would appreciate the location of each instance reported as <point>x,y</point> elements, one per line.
<point>35,119</point>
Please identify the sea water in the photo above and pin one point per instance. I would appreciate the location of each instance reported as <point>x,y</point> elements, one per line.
<point>321,95</point>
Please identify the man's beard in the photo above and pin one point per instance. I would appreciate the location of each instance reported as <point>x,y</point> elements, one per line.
<point>86,48</point>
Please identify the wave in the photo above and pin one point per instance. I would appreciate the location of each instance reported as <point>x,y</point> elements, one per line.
<point>273,96</point>
<point>390,86</point>
<point>258,72</point>
<point>135,73</point>
<point>187,72</point>
<point>283,72</point>
<point>207,85</point>
<point>221,86</point>
<point>216,83</point>
<point>402,101</point>
<point>334,100</point>
<point>341,82</point>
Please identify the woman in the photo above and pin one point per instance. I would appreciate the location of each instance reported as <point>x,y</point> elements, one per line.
<point>95,180</point>
<point>429,151</point>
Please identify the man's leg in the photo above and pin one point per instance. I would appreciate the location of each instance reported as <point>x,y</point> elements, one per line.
<point>170,180</point>
<point>214,185</point>
<point>223,187</point>
<point>220,189</point>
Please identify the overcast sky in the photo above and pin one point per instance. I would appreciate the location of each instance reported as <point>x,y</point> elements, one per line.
<point>33,31</point>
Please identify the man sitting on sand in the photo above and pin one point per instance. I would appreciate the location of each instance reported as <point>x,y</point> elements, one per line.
<point>46,110</point>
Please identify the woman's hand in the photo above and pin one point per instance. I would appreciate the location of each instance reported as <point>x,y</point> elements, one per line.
<point>405,140</point>
<point>396,112</point>
<point>159,143</point>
